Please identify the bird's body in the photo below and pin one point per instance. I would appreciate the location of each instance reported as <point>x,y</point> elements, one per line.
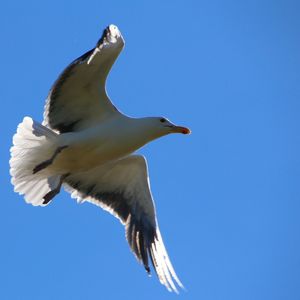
<point>104,142</point>
<point>85,144</point>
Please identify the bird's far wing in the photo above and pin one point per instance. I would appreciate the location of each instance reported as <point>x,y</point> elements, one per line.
<point>78,98</point>
<point>122,188</point>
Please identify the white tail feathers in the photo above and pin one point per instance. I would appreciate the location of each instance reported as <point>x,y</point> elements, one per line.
<point>32,144</point>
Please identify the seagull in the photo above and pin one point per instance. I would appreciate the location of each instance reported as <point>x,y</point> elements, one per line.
<point>86,145</point>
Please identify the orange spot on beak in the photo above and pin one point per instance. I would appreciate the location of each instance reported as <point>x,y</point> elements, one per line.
<point>181,129</point>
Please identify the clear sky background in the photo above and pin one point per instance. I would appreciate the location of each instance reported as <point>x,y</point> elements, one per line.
<point>227,196</point>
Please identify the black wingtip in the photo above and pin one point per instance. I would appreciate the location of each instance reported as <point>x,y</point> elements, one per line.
<point>147,268</point>
<point>103,36</point>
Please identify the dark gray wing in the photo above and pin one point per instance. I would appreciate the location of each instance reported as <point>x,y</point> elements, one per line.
<point>78,98</point>
<point>122,188</point>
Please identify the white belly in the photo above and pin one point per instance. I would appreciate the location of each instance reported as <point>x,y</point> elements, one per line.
<point>84,154</point>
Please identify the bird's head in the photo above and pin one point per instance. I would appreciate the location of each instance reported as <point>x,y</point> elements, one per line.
<point>160,126</point>
<point>168,127</point>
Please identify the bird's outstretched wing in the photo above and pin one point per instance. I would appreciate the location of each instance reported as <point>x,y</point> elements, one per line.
<point>78,98</point>
<point>122,188</point>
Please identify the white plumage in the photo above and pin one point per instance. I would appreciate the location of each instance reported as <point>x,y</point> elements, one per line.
<point>85,144</point>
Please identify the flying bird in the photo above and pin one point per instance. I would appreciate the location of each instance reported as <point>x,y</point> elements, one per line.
<point>86,145</point>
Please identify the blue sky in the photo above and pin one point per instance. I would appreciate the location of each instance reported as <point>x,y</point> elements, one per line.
<point>227,196</point>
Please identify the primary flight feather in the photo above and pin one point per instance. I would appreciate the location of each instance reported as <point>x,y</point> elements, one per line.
<point>85,144</point>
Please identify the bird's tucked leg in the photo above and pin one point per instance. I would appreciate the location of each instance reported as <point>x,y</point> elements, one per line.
<point>48,162</point>
<point>50,195</point>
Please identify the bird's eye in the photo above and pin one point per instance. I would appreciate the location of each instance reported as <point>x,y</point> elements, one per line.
<point>162,120</point>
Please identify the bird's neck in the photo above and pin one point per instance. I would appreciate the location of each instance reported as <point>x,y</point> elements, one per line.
<point>138,131</point>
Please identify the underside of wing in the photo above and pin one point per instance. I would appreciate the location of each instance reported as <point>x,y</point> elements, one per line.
<point>122,188</point>
<point>78,98</point>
